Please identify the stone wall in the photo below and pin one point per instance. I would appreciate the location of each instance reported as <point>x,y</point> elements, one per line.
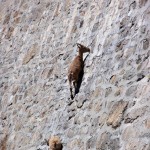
<point>37,43</point>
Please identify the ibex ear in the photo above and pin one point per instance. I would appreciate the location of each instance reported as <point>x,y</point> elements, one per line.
<point>79,45</point>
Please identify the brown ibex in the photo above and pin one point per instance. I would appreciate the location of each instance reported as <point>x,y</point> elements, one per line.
<point>76,67</point>
<point>54,143</point>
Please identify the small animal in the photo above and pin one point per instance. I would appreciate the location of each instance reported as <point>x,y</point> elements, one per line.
<point>76,67</point>
<point>54,143</point>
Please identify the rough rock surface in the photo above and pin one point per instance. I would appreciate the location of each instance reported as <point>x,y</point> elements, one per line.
<point>37,43</point>
<point>116,115</point>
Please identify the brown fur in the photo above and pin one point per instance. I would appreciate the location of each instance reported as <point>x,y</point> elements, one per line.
<point>76,67</point>
<point>55,143</point>
<point>3,143</point>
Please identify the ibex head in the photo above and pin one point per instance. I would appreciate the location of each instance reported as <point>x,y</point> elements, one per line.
<point>83,48</point>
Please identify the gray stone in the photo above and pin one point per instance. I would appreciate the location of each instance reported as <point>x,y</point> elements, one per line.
<point>108,91</point>
<point>131,90</point>
<point>95,27</point>
<point>124,22</point>
<point>132,5</point>
<point>30,54</point>
<point>106,142</point>
<point>116,114</point>
<point>142,2</point>
<point>145,43</point>
<point>147,123</point>
<point>135,114</point>
<point>107,3</point>
<point>91,143</point>
<point>129,75</point>
<point>129,133</point>
<point>37,44</point>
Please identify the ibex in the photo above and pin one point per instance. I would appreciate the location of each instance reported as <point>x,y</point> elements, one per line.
<point>54,143</point>
<point>76,67</point>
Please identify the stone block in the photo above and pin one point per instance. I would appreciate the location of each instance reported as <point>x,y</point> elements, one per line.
<point>30,54</point>
<point>131,90</point>
<point>37,43</point>
<point>129,133</point>
<point>142,2</point>
<point>91,143</point>
<point>135,114</point>
<point>147,123</point>
<point>106,142</point>
<point>145,43</point>
<point>116,114</point>
<point>46,73</point>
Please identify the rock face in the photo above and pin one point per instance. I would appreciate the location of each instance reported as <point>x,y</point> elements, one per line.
<point>116,114</point>
<point>38,42</point>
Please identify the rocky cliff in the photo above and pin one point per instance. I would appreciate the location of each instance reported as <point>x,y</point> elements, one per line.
<point>38,42</point>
